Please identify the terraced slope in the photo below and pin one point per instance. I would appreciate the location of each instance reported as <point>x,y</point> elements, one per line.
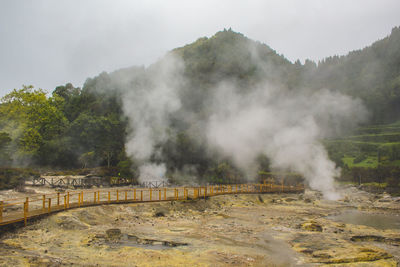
<point>370,147</point>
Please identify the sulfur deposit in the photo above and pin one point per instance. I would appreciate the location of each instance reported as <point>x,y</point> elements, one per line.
<point>230,230</point>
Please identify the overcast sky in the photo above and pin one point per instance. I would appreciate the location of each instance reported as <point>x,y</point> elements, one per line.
<point>48,43</point>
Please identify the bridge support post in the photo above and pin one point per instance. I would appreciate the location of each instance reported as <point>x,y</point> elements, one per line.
<point>27,203</point>
<point>49,210</point>
<point>25,213</point>
<point>44,201</point>
<point>1,210</point>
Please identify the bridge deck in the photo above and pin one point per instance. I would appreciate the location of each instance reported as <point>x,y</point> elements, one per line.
<point>23,209</point>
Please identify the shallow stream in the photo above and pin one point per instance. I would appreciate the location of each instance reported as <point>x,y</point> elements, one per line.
<point>375,220</point>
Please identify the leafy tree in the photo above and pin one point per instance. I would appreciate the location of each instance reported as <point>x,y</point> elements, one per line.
<point>5,157</point>
<point>31,118</point>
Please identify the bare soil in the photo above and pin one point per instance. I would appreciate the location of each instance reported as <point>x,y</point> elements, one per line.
<point>231,230</point>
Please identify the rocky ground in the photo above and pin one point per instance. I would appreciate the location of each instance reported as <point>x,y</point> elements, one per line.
<point>231,230</point>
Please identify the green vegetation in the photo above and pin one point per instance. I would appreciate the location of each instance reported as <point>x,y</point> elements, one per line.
<point>372,157</point>
<point>14,177</point>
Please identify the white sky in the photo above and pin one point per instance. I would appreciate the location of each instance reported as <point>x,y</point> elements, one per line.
<point>48,43</point>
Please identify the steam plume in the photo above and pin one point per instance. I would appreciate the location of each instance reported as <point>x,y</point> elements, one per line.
<point>241,123</point>
<point>148,106</point>
<point>285,126</point>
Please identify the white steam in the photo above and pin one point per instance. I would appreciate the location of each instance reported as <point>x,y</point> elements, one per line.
<point>241,123</point>
<point>148,107</point>
<point>285,126</point>
<point>152,172</point>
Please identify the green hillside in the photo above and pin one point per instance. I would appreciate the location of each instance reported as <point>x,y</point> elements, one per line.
<point>372,73</point>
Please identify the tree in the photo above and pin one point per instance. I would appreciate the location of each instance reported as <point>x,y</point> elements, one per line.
<point>5,157</point>
<point>32,117</point>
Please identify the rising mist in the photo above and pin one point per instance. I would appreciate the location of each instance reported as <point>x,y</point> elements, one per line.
<point>236,120</point>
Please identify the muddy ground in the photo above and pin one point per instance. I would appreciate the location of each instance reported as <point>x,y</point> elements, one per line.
<point>231,230</point>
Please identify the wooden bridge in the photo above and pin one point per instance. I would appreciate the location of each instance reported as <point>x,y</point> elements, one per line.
<point>87,182</point>
<point>34,206</point>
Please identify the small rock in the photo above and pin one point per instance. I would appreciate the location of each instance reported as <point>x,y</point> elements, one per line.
<point>114,234</point>
<point>311,226</point>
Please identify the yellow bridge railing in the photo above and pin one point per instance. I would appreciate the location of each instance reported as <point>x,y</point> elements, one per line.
<point>23,209</point>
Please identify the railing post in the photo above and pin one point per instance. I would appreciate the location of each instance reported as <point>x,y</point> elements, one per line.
<point>82,198</point>
<point>98,196</point>
<point>67,199</point>
<point>117,196</point>
<point>65,202</point>
<point>186,193</point>
<point>205,192</point>
<point>159,194</point>
<point>150,193</point>
<point>27,204</point>
<point>141,195</point>
<point>79,199</point>
<point>94,197</point>
<point>58,198</point>
<point>109,197</point>
<point>1,211</point>
<point>134,194</point>
<point>282,185</point>
<point>49,210</point>
<point>25,213</point>
<point>44,201</point>
<point>126,195</point>
<point>165,193</point>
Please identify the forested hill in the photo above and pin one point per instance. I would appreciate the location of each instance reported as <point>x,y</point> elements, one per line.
<point>231,54</point>
<point>87,127</point>
<point>372,73</point>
